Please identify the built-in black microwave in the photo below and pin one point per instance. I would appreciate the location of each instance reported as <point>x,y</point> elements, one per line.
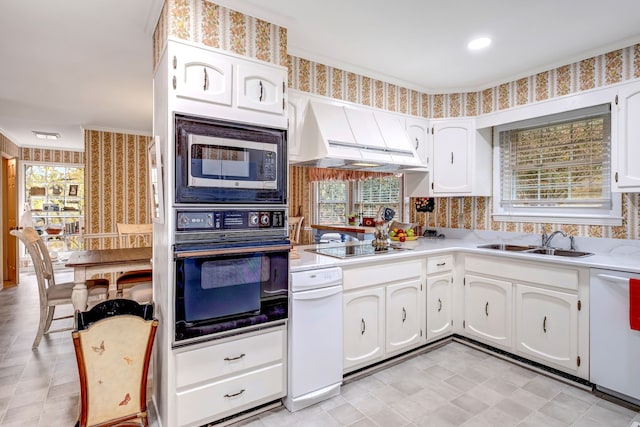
<point>229,163</point>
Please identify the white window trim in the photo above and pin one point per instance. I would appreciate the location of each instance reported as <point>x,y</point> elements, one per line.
<point>612,217</point>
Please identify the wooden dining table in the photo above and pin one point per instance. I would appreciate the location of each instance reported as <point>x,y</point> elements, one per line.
<point>87,263</point>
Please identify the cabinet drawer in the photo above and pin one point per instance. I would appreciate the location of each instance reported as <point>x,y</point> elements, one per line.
<point>218,360</point>
<point>439,263</point>
<point>209,402</point>
<point>381,274</point>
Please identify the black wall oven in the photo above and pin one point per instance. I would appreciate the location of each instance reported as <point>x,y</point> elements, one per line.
<point>229,163</point>
<point>231,272</point>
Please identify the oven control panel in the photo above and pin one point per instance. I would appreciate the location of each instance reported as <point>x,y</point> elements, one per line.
<point>220,220</point>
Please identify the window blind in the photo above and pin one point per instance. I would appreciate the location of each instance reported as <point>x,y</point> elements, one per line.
<point>377,192</point>
<point>332,202</point>
<point>560,164</point>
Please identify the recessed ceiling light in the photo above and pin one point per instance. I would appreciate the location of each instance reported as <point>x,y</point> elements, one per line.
<point>479,43</point>
<point>46,135</point>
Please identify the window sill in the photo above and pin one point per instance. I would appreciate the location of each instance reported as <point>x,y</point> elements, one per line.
<point>560,219</point>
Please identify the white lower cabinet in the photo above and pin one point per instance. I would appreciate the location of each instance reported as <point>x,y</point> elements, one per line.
<point>236,374</point>
<point>363,327</point>
<point>547,326</point>
<point>439,305</point>
<point>405,315</point>
<point>550,306</point>
<point>384,311</point>
<point>487,309</point>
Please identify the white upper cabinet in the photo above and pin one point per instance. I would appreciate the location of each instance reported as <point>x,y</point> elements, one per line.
<point>213,83</point>
<point>461,159</point>
<point>452,150</point>
<point>418,130</point>
<point>201,75</point>
<point>625,151</point>
<point>260,87</point>
<point>295,112</point>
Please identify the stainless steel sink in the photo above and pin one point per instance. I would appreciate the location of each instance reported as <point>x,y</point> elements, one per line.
<point>559,252</point>
<point>505,247</point>
<point>535,250</point>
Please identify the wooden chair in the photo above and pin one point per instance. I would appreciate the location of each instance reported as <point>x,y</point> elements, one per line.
<point>138,283</point>
<point>113,343</point>
<point>295,226</point>
<point>51,293</point>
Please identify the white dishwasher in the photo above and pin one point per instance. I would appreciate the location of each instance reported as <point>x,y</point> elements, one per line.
<point>315,337</point>
<point>615,347</point>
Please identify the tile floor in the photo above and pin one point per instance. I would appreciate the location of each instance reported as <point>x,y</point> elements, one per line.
<point>454,385</point>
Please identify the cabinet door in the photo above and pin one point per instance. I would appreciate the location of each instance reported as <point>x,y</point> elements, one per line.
<point>452,153</point>
<point>201,75</point>
<point>418,131</point>
<point>439,310</point>
<point>261,87</point>
<point>547,326</point>
<point>625,167</point>
<point>404,315</point>
<point>487,310</point>
<point>363,327</point>
<point>295,113</point>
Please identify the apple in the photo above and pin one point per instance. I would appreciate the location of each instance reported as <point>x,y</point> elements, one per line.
<point>402,238</point>
<point>410,232</point>
<point>392,233</point>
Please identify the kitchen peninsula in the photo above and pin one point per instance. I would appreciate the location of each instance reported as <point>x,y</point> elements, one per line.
<point>358,232</point>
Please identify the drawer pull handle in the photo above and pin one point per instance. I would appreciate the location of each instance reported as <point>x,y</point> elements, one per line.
<point>229,359</point>
<point>261,91</point>
<point>404,314</point>
<point>206,80</point>
<point>441,264</point>
<point>234,394</point>
<point>363,326</point>
<point>544,324</point>
<point>486,308</point>
<point>439,305</point>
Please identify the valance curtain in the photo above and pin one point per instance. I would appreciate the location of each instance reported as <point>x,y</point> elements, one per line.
<point>326,174</point>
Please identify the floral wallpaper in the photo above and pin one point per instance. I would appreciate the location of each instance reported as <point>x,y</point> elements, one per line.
<point>208,24</point>
<point>8,147</point>
<point>204,22</point>
<point>51,156</point>
<point>472,212</point>
<point>116,184</point>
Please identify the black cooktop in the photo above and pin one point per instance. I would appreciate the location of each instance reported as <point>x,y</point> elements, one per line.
<point>350,251</point>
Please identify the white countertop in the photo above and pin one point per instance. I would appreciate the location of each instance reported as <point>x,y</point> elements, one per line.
<point>612,254</point>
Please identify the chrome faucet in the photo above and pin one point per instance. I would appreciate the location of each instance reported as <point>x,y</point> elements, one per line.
<point>546,240</point>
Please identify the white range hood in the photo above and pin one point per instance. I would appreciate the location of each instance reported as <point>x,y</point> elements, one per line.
<point>342,136</point>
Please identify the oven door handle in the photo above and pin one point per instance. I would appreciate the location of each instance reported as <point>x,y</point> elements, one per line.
<point>231,251</point>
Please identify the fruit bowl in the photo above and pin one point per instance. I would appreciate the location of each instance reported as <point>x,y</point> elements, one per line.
<point>397,239</point>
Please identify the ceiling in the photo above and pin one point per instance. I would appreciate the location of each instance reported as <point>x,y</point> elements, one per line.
<point>69,65</point>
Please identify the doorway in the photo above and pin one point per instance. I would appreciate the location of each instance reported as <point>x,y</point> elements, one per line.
<point>9,220</point>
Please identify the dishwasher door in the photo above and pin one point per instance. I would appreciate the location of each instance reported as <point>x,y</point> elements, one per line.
<point>615,347</point>
<point>315,346</point>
